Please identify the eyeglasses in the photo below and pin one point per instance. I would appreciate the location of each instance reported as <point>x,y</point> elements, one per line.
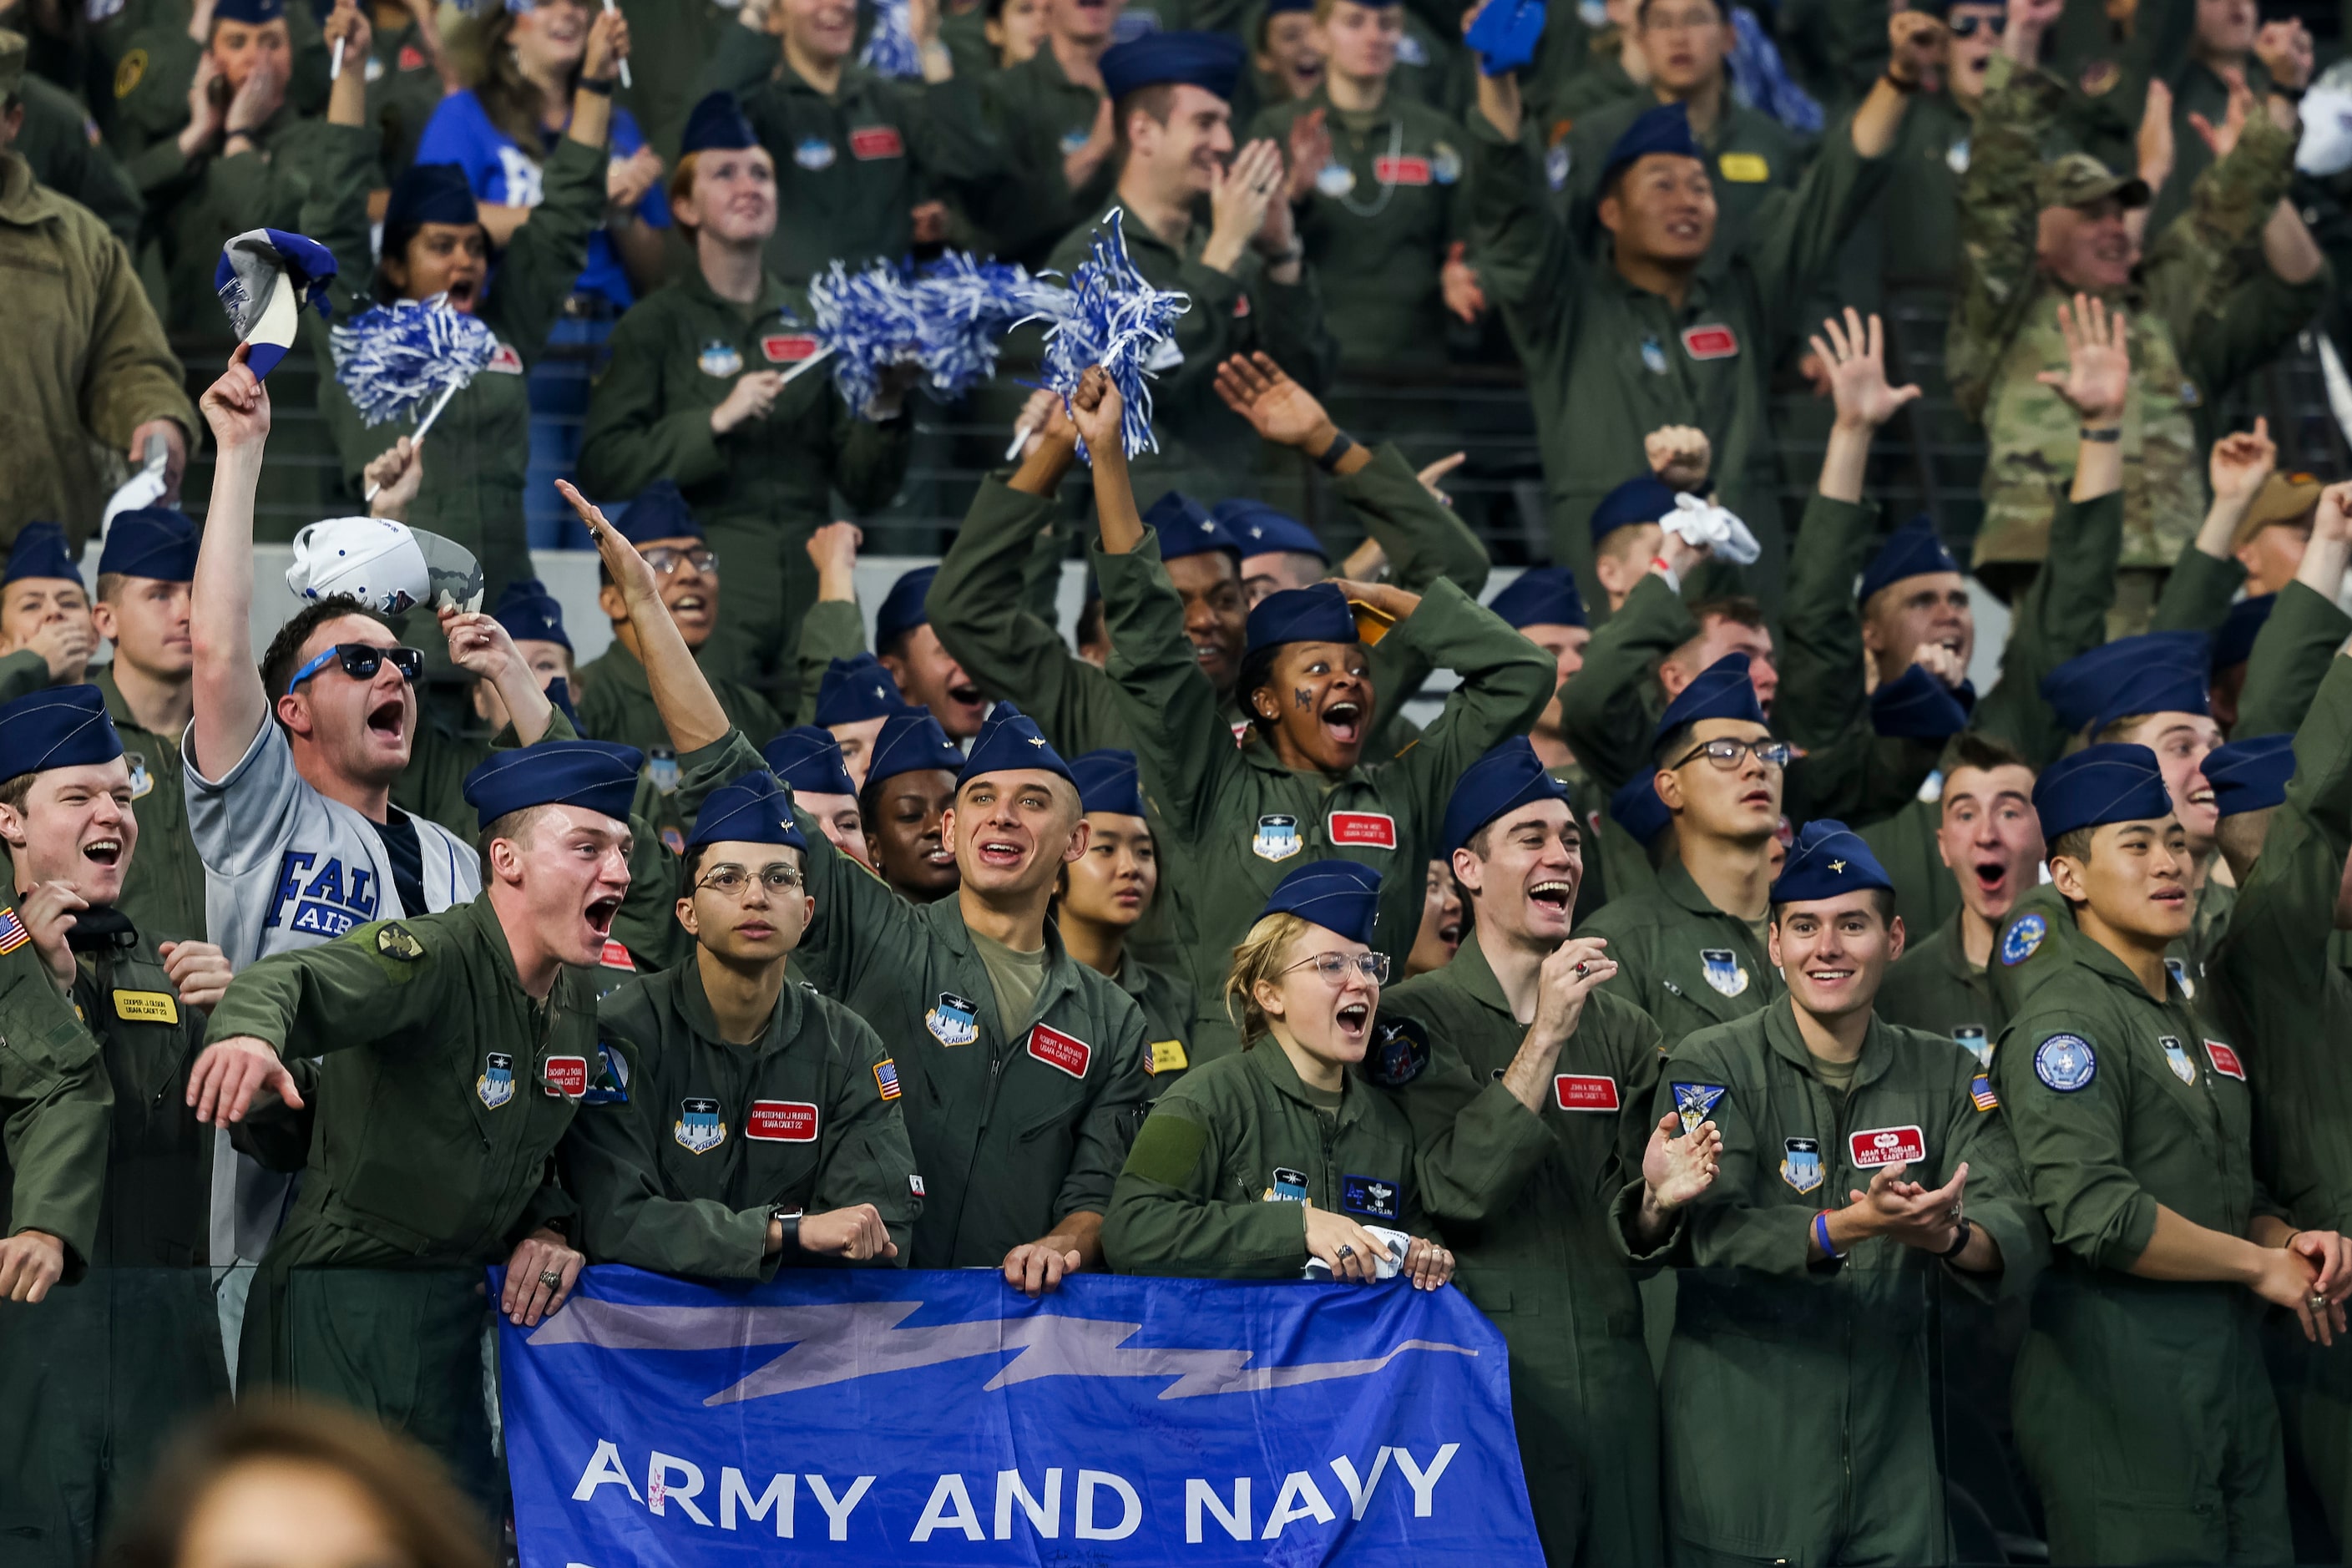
<point>361,661</point>
<point>1727,753</point>
<point>733,881</point>
<point>1961,27</point>
<point>666,559</point>
<point>1334,966</point>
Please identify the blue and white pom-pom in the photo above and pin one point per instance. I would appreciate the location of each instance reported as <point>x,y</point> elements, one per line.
<point>963,308</point>
<point>890,47</point>
<point>867,320</point>
<point>1113,318</point>
<point>393,358</point>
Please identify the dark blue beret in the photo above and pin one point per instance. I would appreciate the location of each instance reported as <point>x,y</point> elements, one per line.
<point>2250,775</point>
<point>2099,785</point>
<point>1636,808</point>
<point>1342,896</point>
<point>2087,686</point>
<point>2234,643</point>
<point>753,809</point>
<point>1506,778</point>
<point>902,608</point>
<point>63,726</point>
<point>430,193</point>
<point>40,552</point>
<point>252,13</point>
<point>1541,596</point>
<point>1645,497</point>
<point>1912,551</point>
<point>1828,858</point>
<point>530,613</point>
<point>594,776</point>
<point>1188,528</point>
<point>1721,691</point>
<point>1010,739</point>
<point>1107,782</point>
<point>809,758</point>
<point>1209,61</point>
<point>1915,706</point>
<point>1315,613</point>
<point>1664,128</point>
<point>716,124</point>
<point>911,742</point>
<point>1260,530</point>
<point>855,689</point>
<point>659,512</point>
<point>152,541</point>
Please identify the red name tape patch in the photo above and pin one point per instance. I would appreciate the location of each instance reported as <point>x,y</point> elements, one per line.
<point>1888,1146</point>
<point>616,956</point>
<point>1364,830</point>
<point>1064,1052</point>
<point>2225,1060</point>
<point>1401,170</point>
<point>1710,342</point>
<point>876,142</point>
<point>788,348</point>
<point>781,1122</point>
<point>567,1075</point>
<point>1577,1091</point>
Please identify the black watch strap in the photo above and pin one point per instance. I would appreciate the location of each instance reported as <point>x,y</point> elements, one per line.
<point>1341,445</point>
<point>790,1220</point>
<point>1960,1245</point>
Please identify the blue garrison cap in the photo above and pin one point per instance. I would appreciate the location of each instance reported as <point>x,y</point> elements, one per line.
<point>1506,778</point>
<point>855,689</point>
<point>1645,497</point>
<point>659,512</point>
<point>63,726</point>
<point>2234,643</point>
<point>753,809</point>
<point>2083,688</point>
<point>902,608</point>
<point>1636,808</point>
<point>911,741</point>
<point>1912,551</point>
<point>1315,613</point>
<point>1108,781</point>
<point>153,541</point>
<point>1259,530</point>
<point>1721,691</point>
<point>2249,776</point>
<point>1010,739</point>
<point>1209,61</point>
<point>716,124</point>
<point>1188,528</point>
<point>252,13</point>
<point>1828,858</point>
<point>430,193</point>
<point>1542,596</point>
<point>2099,785</point>
<point>809,758</point>
<point>594,776</point>
<point>40,552</point>
<point>1504,35</point>
<point>1915,706</point>
<point>1343,896</point>
<point>1664,128</point>
<point>530,613</point>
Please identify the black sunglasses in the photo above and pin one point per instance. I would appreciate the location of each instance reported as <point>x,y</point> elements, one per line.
<point>361,661</point>
<point>1961,27</point>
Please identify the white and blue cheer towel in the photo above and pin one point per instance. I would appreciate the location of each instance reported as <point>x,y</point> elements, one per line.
<point>265,278</point>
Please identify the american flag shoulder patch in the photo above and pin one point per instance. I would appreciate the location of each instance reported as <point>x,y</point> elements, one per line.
<point>886,1077</point>
<point>13,934</point>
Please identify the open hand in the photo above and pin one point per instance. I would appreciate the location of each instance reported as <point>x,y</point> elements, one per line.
<point>1674,1170</point>
<point>1855,358</point>
<point>626,568</point>
<point>1277,407</point>
<point>263,94</point>
<point>2222,140</point>
<point>1310,150</point>
<point>1907,1212</point>
<point>1457,280</point>
<point>2097,377</point>
<point>230,1072</point>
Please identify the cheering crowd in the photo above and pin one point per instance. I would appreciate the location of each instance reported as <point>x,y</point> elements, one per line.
<point>1887,1120</point>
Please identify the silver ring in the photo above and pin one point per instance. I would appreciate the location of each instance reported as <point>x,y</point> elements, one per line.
<point>551,1279</point>
<point>1581,971</point>
<point>1347,1249</point>
<point>2319,1303</point>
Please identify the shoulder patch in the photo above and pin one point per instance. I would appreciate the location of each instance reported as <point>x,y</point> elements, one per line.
<point>1400,1053</point>
<point>1980,1091</point>
<point>886,1077</point>
<point>13,934</point>
<point>128,72</point>
<point>2019,941</point>
<point>2065,1062</point>
<point>1695,1102</point>
<point>395,941</point>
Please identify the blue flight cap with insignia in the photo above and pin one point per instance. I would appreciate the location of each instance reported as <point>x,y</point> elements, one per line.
<point>251,12</point>
<point>716,124</point>
<point>2250,775</point>
<point>902,608</point>
<point>1260,530</point>
<point>1664,128</point>
<point>63,726</point>
<point>2099,785</point>
<point>2157,689</point>
<point>752,809</point>
<point>1188,528</point>
<point>659,512</point>
<point>855,689</point>
<point>1209,61</point>
<point>1107,782</point>
<point>153,541</point>
<point>1915,706</point>
<point>2080,689</point>
<point>1645,497</point>
<point>1911,551</point>
<point>2234,643</point>
<point>1342,896</point>
<point>1319,613</point>
<point>1721,691</point>
<point>40,552</point>
<point>595,776</point>
<point>1506,778</point>
<point>1010,739</point>
<point>1828,858</point>
<point>909,741</point>
<point>430,193</point>
<point>809,758</point>
<point>1636,808</point>
<point>1541,596</point>
<point>531,614</point>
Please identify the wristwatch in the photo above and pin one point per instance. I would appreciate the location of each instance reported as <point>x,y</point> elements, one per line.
<point>1960,1243</point>
<point>789,1219</point>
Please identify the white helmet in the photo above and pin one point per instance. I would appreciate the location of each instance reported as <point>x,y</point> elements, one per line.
<point>2326,145</point>
<point>388,567</point>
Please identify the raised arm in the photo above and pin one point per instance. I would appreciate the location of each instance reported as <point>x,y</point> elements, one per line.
<point>1999,214</point>
<point>2207,576</point>
<point>690,711</point>
<point>1527,260</point>
<point>230,704</point>
<point>2293,652</point>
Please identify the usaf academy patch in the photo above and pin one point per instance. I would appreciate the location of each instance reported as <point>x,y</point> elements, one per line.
<point>698,1128</point>
<point>1970,1038</point>
<point>496,1086</point>
<point>1276,838</point>
<point>1289,1187</point>
<point>2018,943</point>
<point>142,781</point>
<point>1800,1166</point>
<point>2065,1062</point>
<point>1723,970</point>
<point>2176,1057</point>
<point>954,1021</point>
<point>1693,1102</point>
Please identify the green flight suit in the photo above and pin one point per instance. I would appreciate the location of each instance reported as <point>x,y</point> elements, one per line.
<point>1232,819</point>
<point>1680,959</point>
<point>2144,1413</point>
<point>1206,450</point>
<point>1831,1357</point>
<point>686,1141</point>
<point>1608,362</point>
<point>2291,656</point>
<point>61,142</point>
<point>1934,988</point>
<point>1560,97</point>
<point>478,451</point>
<point>438,1107</point>
<point>403,90</point>
<point>668,42</point>
<point>763,488</point>
<point>1384,214</point>
<point>164,895</point>
<point>1216,1184</point>
<point>1039,117</point>
<point>1749,155</point>
<point>1524,1200</point>
<point>1166,1003</point>
<point>99,1376</point>
<point>1011,1131</point>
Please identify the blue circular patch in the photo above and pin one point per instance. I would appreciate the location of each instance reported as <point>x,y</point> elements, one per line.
<point>2065,1062</point>
<point>2017,944</point>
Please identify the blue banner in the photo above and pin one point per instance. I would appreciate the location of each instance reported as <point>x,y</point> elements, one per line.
<point>881,1415</point>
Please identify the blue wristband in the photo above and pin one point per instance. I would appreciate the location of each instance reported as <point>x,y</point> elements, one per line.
<point>1821,1234</point>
